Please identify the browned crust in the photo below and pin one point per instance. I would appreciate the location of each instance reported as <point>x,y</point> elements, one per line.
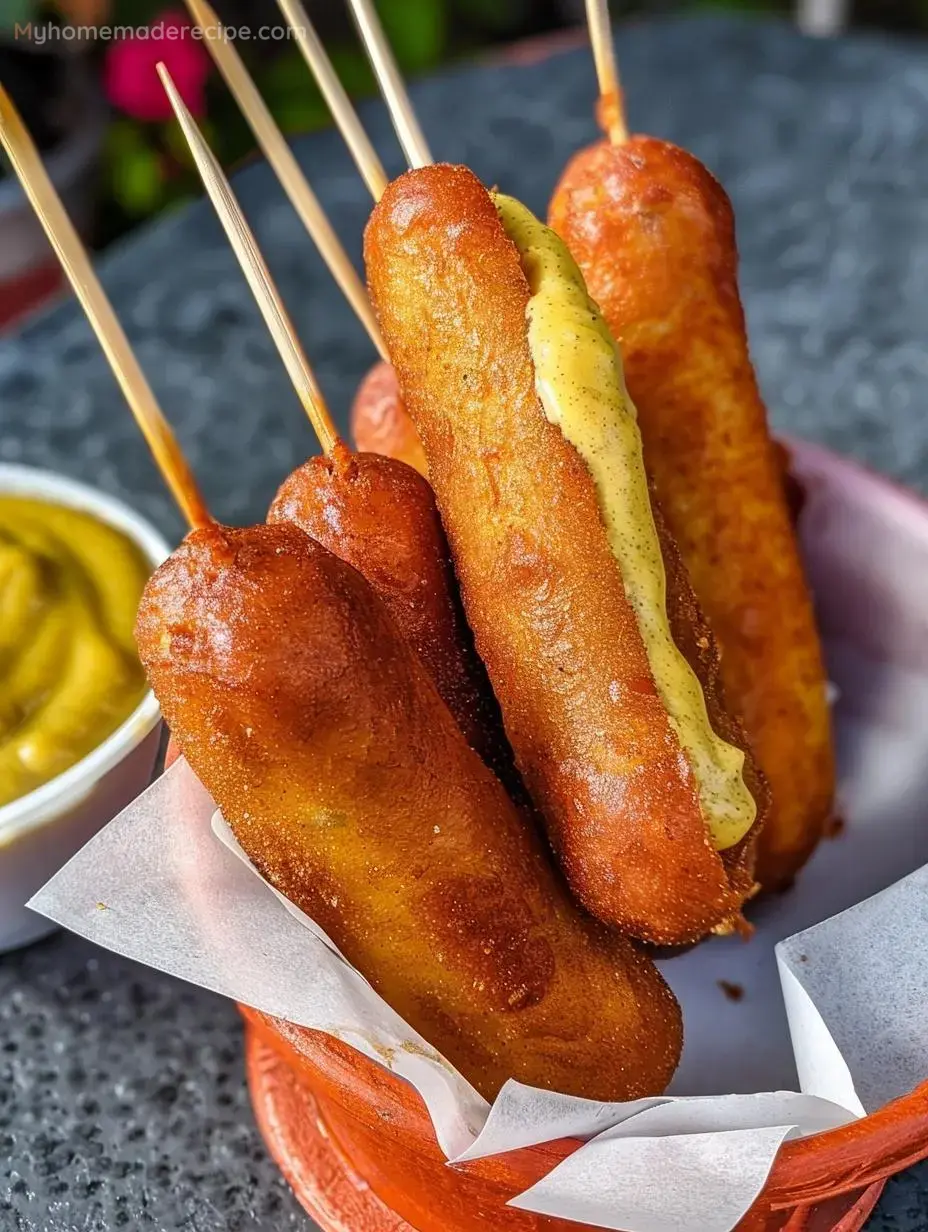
<point>380,516</point>
<point>654,234</point>
<point>380,422</point>
<point>693,636</point>
<point>540,585</point>
<point>343,775</point>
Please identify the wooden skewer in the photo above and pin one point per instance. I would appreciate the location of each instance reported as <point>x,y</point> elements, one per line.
<point>412,139</point>
<point>280,156</point>
<point>611,104</point>
<point>255,270</point>
<point>344,114</point>
<point>37,186</point>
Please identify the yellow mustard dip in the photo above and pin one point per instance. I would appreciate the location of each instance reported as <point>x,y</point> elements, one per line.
<point>581,385</point>
<point>69,672</point>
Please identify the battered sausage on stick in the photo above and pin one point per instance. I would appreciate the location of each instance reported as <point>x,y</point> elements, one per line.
<point>344,777</point>
<point>650,804</point>
<point>380,422</point>
<point>380,516</point>
<point>373,512</point>
<point>654,234</point>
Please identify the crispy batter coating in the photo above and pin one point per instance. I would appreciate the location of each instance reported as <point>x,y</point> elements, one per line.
<point>541,588</point>
<point>654,234</point>
<point>692,634</point>
<point>380,515</point>
<point>380,422</point>
<point>345,778</point>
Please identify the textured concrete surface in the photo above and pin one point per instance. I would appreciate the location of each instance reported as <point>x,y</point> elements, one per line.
<point>121,1094</point>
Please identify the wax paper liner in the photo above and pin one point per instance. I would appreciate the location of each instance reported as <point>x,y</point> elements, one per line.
<point>167,884</point>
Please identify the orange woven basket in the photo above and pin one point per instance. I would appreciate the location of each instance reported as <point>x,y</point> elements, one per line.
<point>357,1146</point>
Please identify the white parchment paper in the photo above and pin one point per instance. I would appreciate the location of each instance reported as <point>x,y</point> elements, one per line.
<point>784,1034</point>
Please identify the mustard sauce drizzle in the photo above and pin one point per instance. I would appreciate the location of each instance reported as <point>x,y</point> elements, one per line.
<point>581,385</point>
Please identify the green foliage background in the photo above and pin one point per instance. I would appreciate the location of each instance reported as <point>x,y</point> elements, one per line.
<point>147,167</point>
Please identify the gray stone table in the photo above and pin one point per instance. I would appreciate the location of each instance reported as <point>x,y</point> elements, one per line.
<point>122,1103</point>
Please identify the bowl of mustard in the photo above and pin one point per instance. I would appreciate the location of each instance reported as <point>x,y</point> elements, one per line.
<point>79,728</point>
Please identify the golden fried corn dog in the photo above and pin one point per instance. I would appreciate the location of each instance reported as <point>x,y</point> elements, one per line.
<point>380,422</point>
<point>515,388</point>
<point>654,234</point>
<point>342,773</point>
<point>379,515</point>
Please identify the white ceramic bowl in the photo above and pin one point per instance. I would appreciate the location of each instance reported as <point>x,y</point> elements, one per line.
<point>42,830</point>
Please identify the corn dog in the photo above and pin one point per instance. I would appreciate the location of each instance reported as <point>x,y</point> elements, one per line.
<point>515,387</point>
<point>654,235</point>
<point>343,775</point>
<point>380,422</point>
<point>380,516</point>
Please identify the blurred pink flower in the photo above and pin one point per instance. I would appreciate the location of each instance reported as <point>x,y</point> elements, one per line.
<point>130,78</point>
